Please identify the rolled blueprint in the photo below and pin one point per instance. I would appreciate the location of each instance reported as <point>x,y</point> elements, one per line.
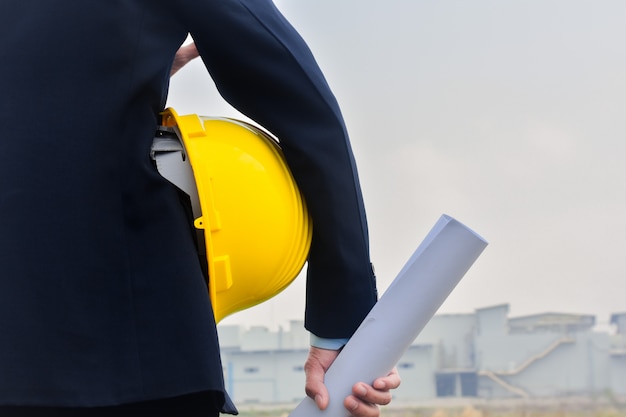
<point>395,321</point>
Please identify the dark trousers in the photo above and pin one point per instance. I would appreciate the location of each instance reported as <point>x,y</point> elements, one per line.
<point>193,405</point>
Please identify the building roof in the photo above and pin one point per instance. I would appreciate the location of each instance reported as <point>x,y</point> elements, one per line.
<point>551,322</point>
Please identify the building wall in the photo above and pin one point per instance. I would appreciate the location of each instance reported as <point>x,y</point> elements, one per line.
<point>291,374</point>
<point>455,355</point>
<point>251,377</point>
<point>265,376</point>
<point>617,358</point>
<point>417,372</point>
<point>577,365</point>
<point>453,337</point>
<point>617,367</point>
<point>619,320</point>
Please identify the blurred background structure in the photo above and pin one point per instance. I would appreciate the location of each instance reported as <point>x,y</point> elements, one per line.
<point>485,354</point>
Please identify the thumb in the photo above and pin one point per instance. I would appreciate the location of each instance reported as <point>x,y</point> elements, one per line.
<point>315,368</point>
<point>315,387</point>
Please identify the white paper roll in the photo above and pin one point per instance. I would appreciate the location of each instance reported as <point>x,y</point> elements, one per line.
<point>412,299</point>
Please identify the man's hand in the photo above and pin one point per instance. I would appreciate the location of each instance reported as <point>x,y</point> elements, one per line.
<point>183,56</point>
<point>365,398</point>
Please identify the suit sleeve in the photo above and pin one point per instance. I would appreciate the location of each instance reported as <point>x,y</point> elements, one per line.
<point>263,68</point>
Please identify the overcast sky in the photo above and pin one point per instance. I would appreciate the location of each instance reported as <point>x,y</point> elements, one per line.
<point>508,115</point>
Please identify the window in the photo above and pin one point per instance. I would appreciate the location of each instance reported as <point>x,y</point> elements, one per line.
<point>445,385</point>
<point>469,384</point>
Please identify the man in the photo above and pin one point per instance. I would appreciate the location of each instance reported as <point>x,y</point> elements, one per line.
<point>103,306</point>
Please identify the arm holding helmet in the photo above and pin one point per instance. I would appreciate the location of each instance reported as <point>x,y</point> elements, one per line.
<point>265,70</point>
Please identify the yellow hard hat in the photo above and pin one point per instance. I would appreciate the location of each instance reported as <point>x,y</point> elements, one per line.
<point>257,231</point>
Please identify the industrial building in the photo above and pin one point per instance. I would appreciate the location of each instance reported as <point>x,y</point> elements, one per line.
<point>484,354</point>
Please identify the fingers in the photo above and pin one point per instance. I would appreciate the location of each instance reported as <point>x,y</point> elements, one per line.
<point>365,398</point>
<point>358,408</point>
<point>391,381</point>
<point>368,394</point>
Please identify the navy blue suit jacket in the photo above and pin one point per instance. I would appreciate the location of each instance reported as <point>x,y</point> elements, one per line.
<point>102,299</point>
